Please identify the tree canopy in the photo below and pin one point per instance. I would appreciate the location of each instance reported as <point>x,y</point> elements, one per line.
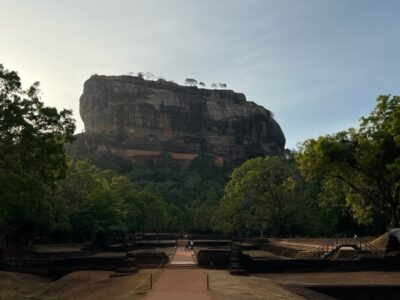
<point>258,196</point>
<point>364,163</point>
<point>32,157</point>
<point>191,82</point>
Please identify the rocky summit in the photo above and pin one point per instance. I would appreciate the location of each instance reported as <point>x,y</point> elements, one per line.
<point>139,119</point>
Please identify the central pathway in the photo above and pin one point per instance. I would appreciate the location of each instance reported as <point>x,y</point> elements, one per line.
<point>181,280</point>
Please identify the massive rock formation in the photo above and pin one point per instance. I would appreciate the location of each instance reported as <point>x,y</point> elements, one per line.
<point>139,119</point>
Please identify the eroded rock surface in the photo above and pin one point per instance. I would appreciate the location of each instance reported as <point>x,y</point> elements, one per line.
<point>139,119</point>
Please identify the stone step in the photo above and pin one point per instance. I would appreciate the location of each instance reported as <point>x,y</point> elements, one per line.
<point>182,266</point>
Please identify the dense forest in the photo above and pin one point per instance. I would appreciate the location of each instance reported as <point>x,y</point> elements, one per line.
<point>347,182</point>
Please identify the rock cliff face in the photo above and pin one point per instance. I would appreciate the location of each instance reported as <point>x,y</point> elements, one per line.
<point>139,119</point>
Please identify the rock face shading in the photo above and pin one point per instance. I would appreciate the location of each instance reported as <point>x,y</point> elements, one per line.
<point>139,119</point>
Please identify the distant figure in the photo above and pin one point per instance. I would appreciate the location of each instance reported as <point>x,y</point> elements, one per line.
<point>187,245</point>
<point>191,244</point>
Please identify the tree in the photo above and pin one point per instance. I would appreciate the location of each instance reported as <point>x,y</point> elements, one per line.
<point>92,201</point>
<point>132,206</point>
<point>201,182</point>
<point>149,76</point>
<point>201,214</point>
<point>140,74</point>
<point>222,85</point>
<point>365,161</point>
<point>191,82</point>
<point>97,203</point>
<point>32,158</point>
<point>202,84</point>
<point>257,196</point>
<point>214,85</point>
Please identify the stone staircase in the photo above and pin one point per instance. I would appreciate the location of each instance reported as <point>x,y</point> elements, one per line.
<point>182,266</point>
<point>338,241</point>
<point>235,267</point>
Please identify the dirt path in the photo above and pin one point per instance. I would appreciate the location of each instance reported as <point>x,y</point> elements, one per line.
<point>181,280</point>
<point>224,286</point>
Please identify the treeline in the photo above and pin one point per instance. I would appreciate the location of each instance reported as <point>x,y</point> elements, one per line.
<point>344,182</point>
<point>154,197</point>
<point>194,191</point>
<point>268,196</point>
<point>188,81</point>
<point>90,201</point>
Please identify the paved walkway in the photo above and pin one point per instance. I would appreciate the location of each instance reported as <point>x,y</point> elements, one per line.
<point>181,280</point>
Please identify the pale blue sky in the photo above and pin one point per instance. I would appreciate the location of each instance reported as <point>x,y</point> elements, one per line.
<point>317,64</point>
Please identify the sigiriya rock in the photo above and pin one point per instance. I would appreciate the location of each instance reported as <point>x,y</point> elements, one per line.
<point>139,119</point>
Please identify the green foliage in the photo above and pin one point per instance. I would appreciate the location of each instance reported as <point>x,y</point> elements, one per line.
<point>332,182</point>
<point>32,158</point>
<point>362,163</point>
<point>258,196</point>
<point>192,191</point>
<point>92,201</point>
